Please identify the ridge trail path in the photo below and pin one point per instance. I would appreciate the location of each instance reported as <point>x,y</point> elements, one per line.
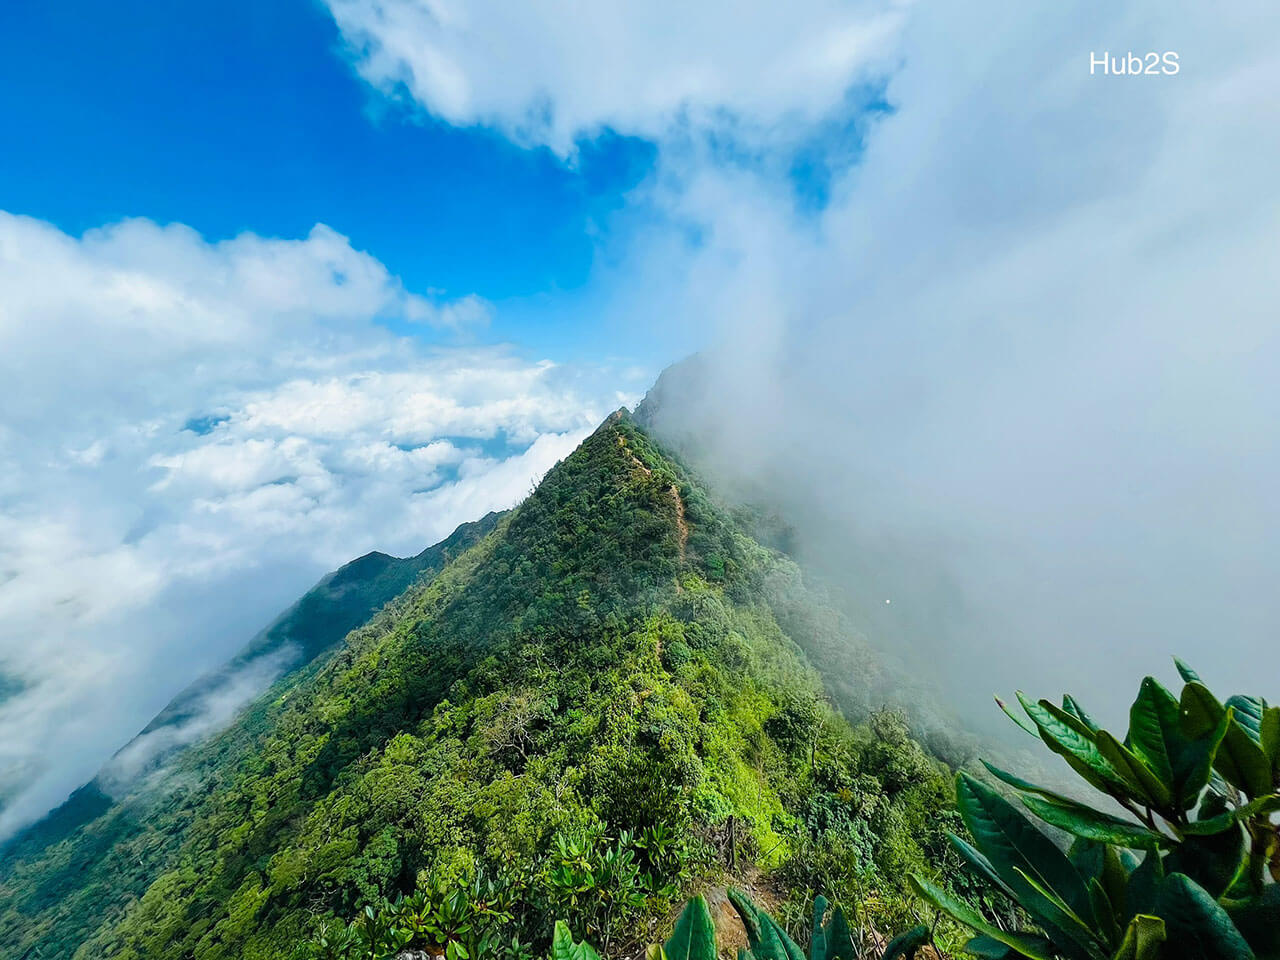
<point>682,525</point>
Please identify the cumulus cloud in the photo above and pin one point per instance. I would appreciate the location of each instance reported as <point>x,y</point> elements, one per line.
<point>193,433</point>
<point>550,72</point>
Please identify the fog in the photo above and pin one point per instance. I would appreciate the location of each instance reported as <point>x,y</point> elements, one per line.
<point>1015,384</point>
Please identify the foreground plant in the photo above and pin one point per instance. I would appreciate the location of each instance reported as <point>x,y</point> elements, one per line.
<point>1190,872</point>
<point>694,936</point>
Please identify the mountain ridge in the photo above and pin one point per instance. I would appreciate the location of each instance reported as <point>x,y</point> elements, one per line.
<point>604,662</point>
<point>342,600</point>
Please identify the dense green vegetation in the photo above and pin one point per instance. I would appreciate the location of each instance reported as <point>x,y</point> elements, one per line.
<point>393,929</point>
<point>584,716</point>
<point>1191,873</point>
<point>63,878</point>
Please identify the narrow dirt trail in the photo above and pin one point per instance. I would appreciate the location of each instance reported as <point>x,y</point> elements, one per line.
<point>682,525</point>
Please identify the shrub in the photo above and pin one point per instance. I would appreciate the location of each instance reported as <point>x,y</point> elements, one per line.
<point>1190,872</point>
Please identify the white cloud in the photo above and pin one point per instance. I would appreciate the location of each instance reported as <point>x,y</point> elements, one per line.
<point>212,711</point>
<point>1020,367</point>
<point>548,72</point>
<point>1027,344</point>
<point>193,433</point>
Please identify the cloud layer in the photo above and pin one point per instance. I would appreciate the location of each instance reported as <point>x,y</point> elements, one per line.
<point>548,73</point>
<point>194,432</point>
<point>1014,369</point>
<point>1016,375</point>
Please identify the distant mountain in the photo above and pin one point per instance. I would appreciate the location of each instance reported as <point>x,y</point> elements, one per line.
<point>340,602</point>
<point>73,844</point>
<point>604,703</point>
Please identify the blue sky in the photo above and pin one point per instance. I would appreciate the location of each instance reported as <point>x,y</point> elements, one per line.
<point>248,116</point>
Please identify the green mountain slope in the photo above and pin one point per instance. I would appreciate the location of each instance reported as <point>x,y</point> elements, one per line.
<point>577,714</point>
<point>340,602</point>
<point>65,875</point>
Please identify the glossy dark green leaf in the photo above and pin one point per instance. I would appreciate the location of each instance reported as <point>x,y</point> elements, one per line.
<point>1232,816</point>
<point>1143,784</point>
<point>839,937</point>
<point>1196,926</point>
<point>905,944</point>
<point>1104,913</point>
<point>1026,945</point>
<point>1082,821</point>
<point>1269,737</point>
<point>1086,822</point>
<point>818,934</point>
<point>1008,840</point>
<point>980,865</point>
<point>1249,712</point>
<point>766,939</point>
<point>1258,920</point>
<point>1107,864</point>
<point>1072,706</point>
<point>1239,759</point>
<point>1015,781</point>
<point>1188,675</point>
<point>1195,766</point>
<point>1215,861</point>
<point>988,949</point>
<point>1074,742</point>
<point>694,936</point>
<point>1155,729</point>
<point>1143,886</point>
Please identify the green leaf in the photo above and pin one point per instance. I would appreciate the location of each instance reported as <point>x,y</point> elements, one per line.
<point>1104,912</point>
<point>562,942</point>
<point>905,944</point>
<point>1258,920</point>
<point>1195,922</point>
<point>1188,675</point>
<point>818,939</point>
<point>1076,927</point>
<point>1142,939</point>
<point>1239,759</point>
<point>1230,817</point>
<point>767,940</point>
<point>1072,706</point>
<point>1020,721</point>
<point>1015,781</point>
<point>1195,765</point>
<point>989,949</point>
<point>1107,864</point>
<point>1213,860</point>
<point>1043,880</point>
<point>839,937</point>
<point>1143,784</point>
<point>1155,729</point>
<point>1073,741</point>
<point>694,936</point>
<point>747,911</point>
<point>1249,712</point>
<point>1026,945</point>
<point>1269,739</point>
<point>980,865</point>
<point>1143,886</point>
<point>1082,821</point>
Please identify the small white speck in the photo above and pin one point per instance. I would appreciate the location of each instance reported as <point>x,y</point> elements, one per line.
<point>888,601</point>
